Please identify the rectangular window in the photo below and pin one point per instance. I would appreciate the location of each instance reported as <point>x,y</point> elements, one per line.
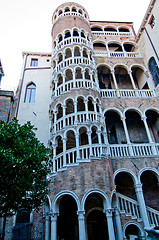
<point>34,62</point>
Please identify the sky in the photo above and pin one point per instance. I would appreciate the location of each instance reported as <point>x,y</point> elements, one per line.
<point>26,26</point>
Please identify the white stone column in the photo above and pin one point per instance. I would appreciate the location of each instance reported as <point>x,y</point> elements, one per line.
<point>127,135</point>
<point>119,232</point>
<point>54,155</point>
<point>132,79</point>
<point>75,109</point>
<point>55,87</point>
<point>64,116</point>
<point>47,220</point>
<point>81,225</point>
<point>114,79</point>
<point>64,151</point>
<point>74,77</point>
<point>100,142</point>
<point>111,233</point>
<point>86,109</point>
<point>77,146</point>
<point>90,142</point>
<point>54,226</point>
<point>55,114</point>
<point>142,205</point>
<point>149,135</point>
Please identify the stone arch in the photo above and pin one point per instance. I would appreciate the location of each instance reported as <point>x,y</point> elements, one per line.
<point>114,126</point>
<point>77,51</point>
<point>105,77</point>
<point>69,103</point>
<point>129,46</point>
<point>141,233</point>
<point>60,57</point>
<point>96,28</point>
<point>70,139</point>
<point>152,118</point>
<point>55,203</point>
<point>115,110</point>
<point>99,45</point>
<point>83,136</point>
<point>125,181</point>
<point>136,127</point>
<point>115,46</point>
<point>80,103</point>
<point>60,37</point>
<point>87,74</point>
<point>106,203</point>
<point>78,73</point>
<point>68,53</point>
<point>75,32</point>
<point>85,53</point>
<point>155,171</point>
<point>68,75</point>
<point>90,103</point>
<point>59,144</point>
<point>123,29</point>
<point>134,177</point>
<point>67,9</point>
<point>59,79</point>
<point>110,28</point>
<point>59,109</point>
<point>94,135</point>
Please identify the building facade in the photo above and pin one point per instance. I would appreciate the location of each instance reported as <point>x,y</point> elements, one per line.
<point>94,100</point>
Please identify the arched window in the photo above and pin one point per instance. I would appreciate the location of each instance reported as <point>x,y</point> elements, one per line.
<point>30,93</point>
<point>154,70</point>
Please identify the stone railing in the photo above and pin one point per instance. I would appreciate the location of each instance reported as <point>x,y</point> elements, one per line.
<point>102,33</point>
<point>130,207</point>
<point>72,40</point>
<point>117,54</point>
<point>127,93</point>
<point>76,118</point>
<point>87,152</point>
<point>74,84</point>
<point>74,61</point>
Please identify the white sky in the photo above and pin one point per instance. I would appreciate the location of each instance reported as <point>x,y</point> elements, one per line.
<point>26,26</point>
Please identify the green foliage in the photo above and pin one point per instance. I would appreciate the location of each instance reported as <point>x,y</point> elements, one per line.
<point>24,164</point>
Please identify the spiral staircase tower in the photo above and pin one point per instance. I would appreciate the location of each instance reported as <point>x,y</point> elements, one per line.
<point>77,131</point>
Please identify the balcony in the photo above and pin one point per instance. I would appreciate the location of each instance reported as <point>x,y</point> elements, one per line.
<point>127,93</point>
<point>85,153</point>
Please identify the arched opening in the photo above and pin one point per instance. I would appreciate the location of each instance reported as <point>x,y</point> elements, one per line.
<point>80,104</point>
<point>60,38</point>
<point>154,70</point>
<point>132,232</point>
<point>99,46</point>
<point>69,75</point>
<point>85,53</point>
<point>71,140</point>
<point>124,29</point>
<point>74,9</point>
<point>139,77</point>
<point>83,137</point>
<point>59,145</point>
<point>153,124</point>
<point>67,35</point>
<point>87,75</point>
<point>80,11</point>
<point>94,135</point>
<point>97,105</point>
<point>123,78</point>
<point>136,128</point>
<point>128,47</point>
<point>30,93</point>
<point>60,58</point>
<point>114,47</point>
<point>67,221</point>
<point>60,12</point>
<point>78,73</point>
<point>59,111</point>
<point>110,29</point>
<point>59,80</point>
<point>75,33</point>
<point>67,9</point>
<point>69,106</point>
<point>96,29</point>
<point>77,52</point>
<point>115,129</point>
<point>125,185</point>
<point>68,53</point>
<point>83,35</point>
<point>95,218</point>
<point>105,78</point>
<point>90,104</point>
<point>150,188</point>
